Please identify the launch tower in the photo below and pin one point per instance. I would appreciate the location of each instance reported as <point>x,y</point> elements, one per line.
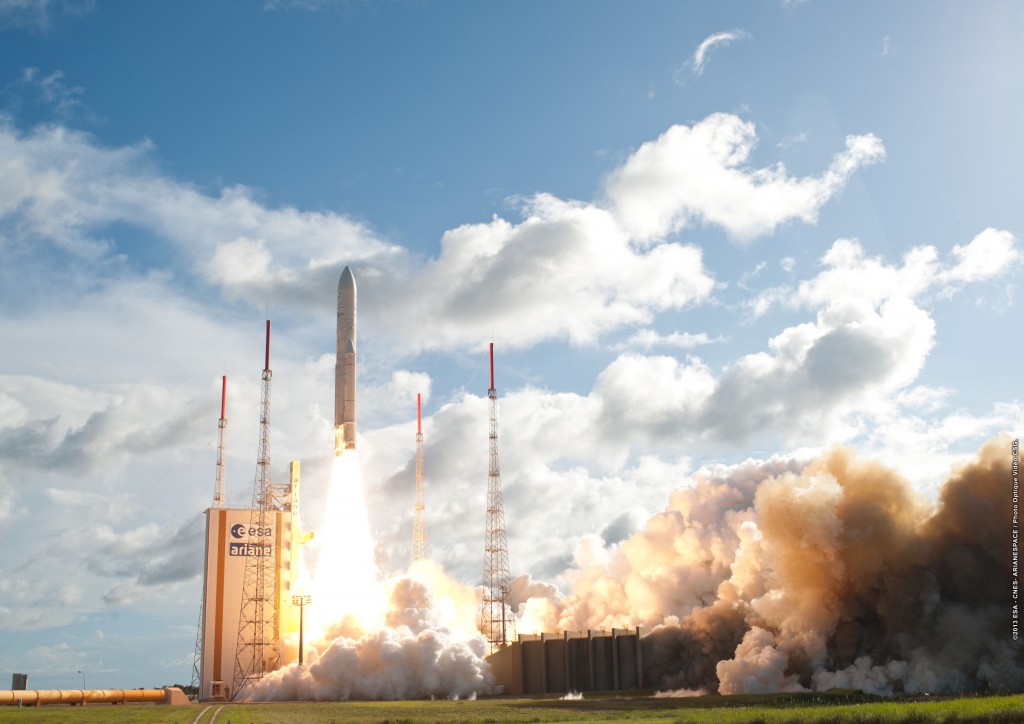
<point>241,618</point>
<point>497,622</point>
<point>257,646</point>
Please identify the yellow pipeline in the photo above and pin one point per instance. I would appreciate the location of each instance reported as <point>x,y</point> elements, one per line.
<point>39,697</point>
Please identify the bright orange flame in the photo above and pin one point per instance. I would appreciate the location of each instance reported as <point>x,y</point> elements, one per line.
<point>347,597</point>
<point>456,605</point>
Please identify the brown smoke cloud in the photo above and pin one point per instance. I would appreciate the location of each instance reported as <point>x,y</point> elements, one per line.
<point>787,576</point>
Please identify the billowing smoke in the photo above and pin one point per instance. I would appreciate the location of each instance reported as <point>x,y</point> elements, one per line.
<point>787,576</point>
<point>411,637</point>
<point>416,653</point>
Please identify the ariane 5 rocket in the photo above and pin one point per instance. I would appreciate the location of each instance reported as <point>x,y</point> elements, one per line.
<point>345,366</point>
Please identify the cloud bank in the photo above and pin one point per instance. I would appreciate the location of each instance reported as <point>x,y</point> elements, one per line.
<point>568,269</point>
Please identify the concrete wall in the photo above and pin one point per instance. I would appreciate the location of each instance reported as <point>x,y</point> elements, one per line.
<point>602,677</point>
<point>627,661</point>
<point>552,663</point>
<point>579,664</point>
<point>507,667</point>
<point>534,675</point>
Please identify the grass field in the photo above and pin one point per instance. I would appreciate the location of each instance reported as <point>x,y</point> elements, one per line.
<point>829,707</point>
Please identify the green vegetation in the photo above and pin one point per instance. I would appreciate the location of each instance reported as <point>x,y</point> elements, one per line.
<point>838,706</point>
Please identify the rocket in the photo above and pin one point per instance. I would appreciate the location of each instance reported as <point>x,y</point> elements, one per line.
<point>345,367</point>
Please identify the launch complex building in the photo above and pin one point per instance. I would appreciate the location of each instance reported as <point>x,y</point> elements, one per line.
<point>230,538</point>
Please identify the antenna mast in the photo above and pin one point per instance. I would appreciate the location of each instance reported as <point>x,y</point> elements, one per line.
<point>256,651</point>
<point>218,502</point>
<point>222,424</point>
<point>497,622</point>
<point>419,526</point>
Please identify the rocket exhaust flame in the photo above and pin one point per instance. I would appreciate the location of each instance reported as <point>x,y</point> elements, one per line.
<point>345,588</point>
<point>412,655</point>
<point>409,638</point>
<point>346,585</point>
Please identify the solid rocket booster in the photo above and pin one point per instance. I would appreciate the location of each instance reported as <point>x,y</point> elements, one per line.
<point>345,366</point>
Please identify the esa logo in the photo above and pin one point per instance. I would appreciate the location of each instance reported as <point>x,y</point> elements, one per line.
<point>240,531</point>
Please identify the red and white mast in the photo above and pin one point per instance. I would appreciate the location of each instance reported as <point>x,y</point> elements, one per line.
<point>497,621</point>
<point>218,495</point>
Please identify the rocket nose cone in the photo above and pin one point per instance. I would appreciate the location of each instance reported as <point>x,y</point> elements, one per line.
<point>347,281</point>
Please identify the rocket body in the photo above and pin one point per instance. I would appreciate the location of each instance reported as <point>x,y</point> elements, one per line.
<point>345,366</point>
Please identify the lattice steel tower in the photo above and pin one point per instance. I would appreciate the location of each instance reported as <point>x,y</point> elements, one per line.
<point>218,502</point>
<point>497,622</point>
<point>256,651</point>
<point>419,524</point>
<point>222,425</point>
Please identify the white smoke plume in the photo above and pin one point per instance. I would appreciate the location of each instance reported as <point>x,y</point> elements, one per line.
<point>680,693</point>
<point>792,575</point>
<point>417,653</point>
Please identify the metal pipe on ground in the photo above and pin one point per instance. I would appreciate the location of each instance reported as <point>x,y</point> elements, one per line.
<point>40,697</point>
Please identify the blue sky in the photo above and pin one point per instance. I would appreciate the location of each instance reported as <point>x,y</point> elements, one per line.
<point>805,234</point>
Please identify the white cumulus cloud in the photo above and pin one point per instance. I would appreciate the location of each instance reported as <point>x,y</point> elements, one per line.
<point>566,271</point>
<point>698,175</point>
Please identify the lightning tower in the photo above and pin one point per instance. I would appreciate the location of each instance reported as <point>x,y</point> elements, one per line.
<point>419,525</point>
<point>256,651</point>
<point>497,622</point>
<point>218,502</point>
<point>222,424</point>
